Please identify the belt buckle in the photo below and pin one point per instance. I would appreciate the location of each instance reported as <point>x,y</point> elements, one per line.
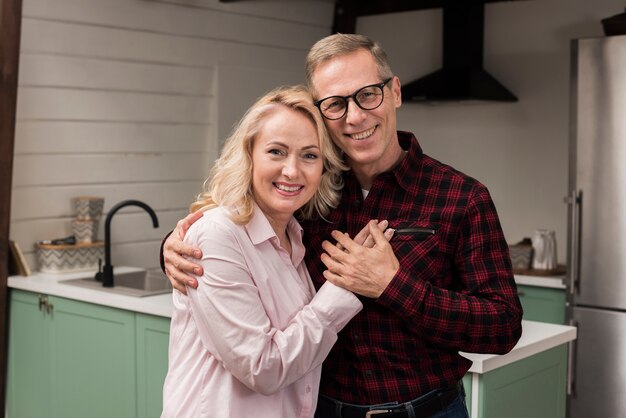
<point>372,412</point>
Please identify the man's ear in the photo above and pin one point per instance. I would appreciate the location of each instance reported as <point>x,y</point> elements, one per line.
<point>396,88</point>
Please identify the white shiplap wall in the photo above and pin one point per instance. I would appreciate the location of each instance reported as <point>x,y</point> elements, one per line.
<point>130,99</point>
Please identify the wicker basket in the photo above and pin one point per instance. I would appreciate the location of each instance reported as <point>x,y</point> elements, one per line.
<point>521,254</point>
<point>67,258</point>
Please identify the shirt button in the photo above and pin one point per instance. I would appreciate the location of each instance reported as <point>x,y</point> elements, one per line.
<point>356,337</point>
<point>308,389</point>
<point>369,373</point>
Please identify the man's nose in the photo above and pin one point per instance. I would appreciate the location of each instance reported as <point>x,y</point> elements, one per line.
<point>354,114</point>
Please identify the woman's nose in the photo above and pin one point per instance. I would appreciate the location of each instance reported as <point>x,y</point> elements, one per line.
<point>290,168</point>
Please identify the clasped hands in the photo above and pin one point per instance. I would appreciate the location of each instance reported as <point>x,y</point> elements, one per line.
<point>364,265</point>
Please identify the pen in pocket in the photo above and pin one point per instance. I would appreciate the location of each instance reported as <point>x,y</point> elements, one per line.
<point>414,231</point>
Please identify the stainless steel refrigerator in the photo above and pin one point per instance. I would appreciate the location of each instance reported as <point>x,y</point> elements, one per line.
<point>597,228</point>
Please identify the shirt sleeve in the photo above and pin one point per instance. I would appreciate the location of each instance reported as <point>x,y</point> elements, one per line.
<point>483,313</point>
<point>235,327</point>
<point>161,259</point>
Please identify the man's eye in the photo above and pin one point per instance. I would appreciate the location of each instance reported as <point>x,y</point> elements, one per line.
<point>366,95</point>
<point>333,104</point>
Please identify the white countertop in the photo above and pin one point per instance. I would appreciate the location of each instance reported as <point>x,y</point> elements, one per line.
<point>554,282</point>
<point>48,283</point>
<point>536,336</point>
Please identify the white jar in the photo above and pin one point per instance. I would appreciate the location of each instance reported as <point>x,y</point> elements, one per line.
<point>544,249</point>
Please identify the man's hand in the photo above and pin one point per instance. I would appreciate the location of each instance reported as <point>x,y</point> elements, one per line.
<point>175,251</point>
<point>361,269</point>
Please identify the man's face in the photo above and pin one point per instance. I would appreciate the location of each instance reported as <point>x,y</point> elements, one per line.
<point>368,137</point>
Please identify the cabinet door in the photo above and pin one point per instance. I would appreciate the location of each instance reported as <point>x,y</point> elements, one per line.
<point>533,387</point>
<point>542,304</point>
<point>29,379</point>
<point>152,347</point>
<point>92,356</point>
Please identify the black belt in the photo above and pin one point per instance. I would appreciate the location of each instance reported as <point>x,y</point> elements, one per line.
<point>423,407</point>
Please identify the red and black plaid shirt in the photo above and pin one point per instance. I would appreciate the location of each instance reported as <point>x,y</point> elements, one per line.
<point>454,290</point>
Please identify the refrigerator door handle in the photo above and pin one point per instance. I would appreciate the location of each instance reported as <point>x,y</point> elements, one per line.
<point>574,201</point>
<point>571,363</point>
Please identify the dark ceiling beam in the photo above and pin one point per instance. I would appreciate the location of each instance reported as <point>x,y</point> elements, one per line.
<point>347,11</point>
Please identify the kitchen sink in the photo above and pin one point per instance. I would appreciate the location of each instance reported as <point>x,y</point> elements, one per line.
<point>135,283</point>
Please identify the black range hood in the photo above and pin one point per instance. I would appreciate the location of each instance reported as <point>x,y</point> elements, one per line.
<point>462,76</point>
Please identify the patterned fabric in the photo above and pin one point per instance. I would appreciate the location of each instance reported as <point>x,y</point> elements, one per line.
<point>454,291</point>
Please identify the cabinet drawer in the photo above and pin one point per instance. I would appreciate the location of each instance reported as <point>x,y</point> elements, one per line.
<point>542,304</point>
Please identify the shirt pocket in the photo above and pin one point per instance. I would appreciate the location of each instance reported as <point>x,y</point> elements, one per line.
<point>409,233</point>
<point>416,244</point>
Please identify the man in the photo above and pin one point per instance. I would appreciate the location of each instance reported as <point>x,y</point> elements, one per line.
<point>444,284</point>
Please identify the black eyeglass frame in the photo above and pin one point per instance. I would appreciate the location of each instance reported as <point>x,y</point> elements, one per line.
<point>382,85</point>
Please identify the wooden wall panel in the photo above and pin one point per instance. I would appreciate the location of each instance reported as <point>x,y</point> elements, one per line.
<point>180,21</point>
<point>314,12</point>
<point>29,203</point>
<point>124,99</point>
<point>243,84</point>
<point>52,103</point>
<point>49,170</point>
<point>71,137</point>
<point>63,38</point>
<point>104,74</point>
<point>130,224</point>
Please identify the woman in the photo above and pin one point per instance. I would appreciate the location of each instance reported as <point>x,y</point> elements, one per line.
<point>251,339</point>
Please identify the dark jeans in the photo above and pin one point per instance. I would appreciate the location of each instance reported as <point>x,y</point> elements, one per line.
<point>456,408</point>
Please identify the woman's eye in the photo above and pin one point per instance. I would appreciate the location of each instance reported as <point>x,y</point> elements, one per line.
<point>311,156</point>
<point>276,152</point>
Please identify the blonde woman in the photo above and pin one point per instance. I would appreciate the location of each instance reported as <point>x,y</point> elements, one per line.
<point>250,340</point>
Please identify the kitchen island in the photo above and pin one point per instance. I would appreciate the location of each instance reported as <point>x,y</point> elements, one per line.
<point>528,380</point>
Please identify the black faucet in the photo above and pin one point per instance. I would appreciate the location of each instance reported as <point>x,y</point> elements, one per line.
<point>106,275</point>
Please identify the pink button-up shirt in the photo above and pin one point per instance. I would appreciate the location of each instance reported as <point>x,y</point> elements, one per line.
<point>250,341</point>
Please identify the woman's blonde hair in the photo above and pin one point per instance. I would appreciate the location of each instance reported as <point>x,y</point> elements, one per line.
<point>230,182</point>
<point>343,44</point>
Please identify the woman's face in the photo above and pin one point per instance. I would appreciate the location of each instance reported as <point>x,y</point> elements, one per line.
<point>286,163</point>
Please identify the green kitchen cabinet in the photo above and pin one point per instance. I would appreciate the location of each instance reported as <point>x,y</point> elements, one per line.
<point>75,359</point>
<point>542,304</point>
<point>531,387</point>
<point>152,347</point>
<point>69,359</point>
<point>28,388</point>
<point>92,355</point>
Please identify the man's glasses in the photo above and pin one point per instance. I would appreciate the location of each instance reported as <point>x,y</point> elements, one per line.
<point>367,98</point>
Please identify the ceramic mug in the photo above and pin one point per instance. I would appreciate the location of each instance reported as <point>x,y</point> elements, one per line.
<point>544,249</point>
